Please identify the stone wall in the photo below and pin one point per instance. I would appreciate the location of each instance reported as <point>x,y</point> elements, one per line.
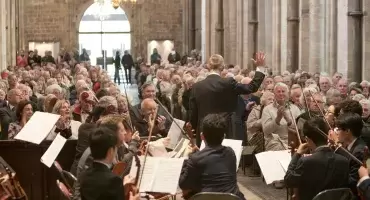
<point>58,21</point>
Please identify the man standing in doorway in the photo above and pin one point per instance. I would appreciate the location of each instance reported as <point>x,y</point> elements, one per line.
<point>127,63</point>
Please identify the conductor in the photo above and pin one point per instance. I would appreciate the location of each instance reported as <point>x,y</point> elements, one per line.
<point>219,95</point>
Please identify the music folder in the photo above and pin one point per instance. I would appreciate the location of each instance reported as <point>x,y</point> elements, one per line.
<point>38,127</point>
<point>160,175</point>
<point>273,164</point>
<point>53,151</point>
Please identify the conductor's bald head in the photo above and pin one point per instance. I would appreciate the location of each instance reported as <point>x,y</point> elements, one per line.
<point>148,107</point>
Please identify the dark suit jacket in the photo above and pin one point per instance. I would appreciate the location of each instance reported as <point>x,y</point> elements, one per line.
<point>99,183</point>
<point>218,95</point>
<point>364,188</point>
<point>357,150</point>
<point>212,169</point>
<point>6,117</point>
<point>321,171</point>
<point>82,143</point>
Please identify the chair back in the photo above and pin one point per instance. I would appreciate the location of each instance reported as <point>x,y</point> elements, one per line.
<point>64,190</point>
<point>214,196</point>
<point>69,177</point>
<point>335,194</point>
<point>62,175</point>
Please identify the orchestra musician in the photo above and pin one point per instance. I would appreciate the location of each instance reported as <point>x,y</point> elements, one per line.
<point>139,114</point>
<point>216,94</point>
<point>364,183</point>
<point>148,108</point>
<point>127,147</point>
<point>320,171</point>
<point>99,182</point>
<point>213,169</point>
<point>348,131</point>
<point>355,107</point>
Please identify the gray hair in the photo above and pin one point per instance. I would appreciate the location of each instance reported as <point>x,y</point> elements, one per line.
<point>331,93</point>
<point>265,96</point>
<point>358,97</point>
<point>306,92</point>
<point>58,105</point>
<point>327,78</point>
<point>50,89</point>
<point>365,102</point>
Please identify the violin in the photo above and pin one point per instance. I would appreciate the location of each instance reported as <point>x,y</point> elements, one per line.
<point>133,187</point>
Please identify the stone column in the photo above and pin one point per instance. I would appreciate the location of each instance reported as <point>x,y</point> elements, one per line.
<point>230,33</point>
<point>212,32</point>
<point>21,36</point>
<point>330,38</point>
<point>265,42</point>
<point>342,37</point>
<point>3,41</point>
<point>366,42</point>
<point>304,36</point>
<point>187,19</point>
<point>317,34</point>
<point>292,63</point>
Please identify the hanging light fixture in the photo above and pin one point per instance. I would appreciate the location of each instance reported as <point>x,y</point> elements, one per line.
<point>116,3</point>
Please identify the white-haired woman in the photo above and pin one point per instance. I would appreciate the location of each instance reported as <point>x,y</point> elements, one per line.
<point>254,122</point>
<point>65,126</point>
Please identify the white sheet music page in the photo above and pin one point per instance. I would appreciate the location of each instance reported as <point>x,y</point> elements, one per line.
<point>167,175</point>
<point>148,173</point>
<point>38,127</point>
<point>160,174</point>
<point>236,145</point>
<point>270,165</point>
<point>53,151</point>
<point>284,162</point>
<point>174,133</point>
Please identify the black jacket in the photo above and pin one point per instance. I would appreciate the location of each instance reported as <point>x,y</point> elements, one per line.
<point>318,172</point>
<point>212,169</point>
<point>218,95</point>
<point>99,183</point>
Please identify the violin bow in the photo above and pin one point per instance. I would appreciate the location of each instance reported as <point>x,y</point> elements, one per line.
<point>339,146</point>
<point>173,119</point>
<point>295,126</point>
<point>128,106</point>
<point>321,111</point>
<point>152,124</point>
<point>305,101</point>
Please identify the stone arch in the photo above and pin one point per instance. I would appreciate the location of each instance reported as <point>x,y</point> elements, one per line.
<point>127,8</point>
<point>85,5</point>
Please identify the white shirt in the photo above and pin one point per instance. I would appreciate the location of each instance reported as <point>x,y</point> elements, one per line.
<point>351,144</point>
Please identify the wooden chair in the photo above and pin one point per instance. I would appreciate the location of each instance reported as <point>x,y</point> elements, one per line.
<point>214,196</point>
<point>335,194</point>
<point>68,182</point>
<point>64,190</point>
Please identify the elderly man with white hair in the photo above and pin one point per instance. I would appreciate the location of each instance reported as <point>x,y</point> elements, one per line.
<point>365,103</point>
<point>276,120</point>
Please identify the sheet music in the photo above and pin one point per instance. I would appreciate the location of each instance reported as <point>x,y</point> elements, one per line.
<point>182,147</point>
<point>38,127</point>
<point>75,125</point>
<point>270,165</point>
<point>160,174</point>
<point>157,149</point>
<point>53,151</point>
<point>169,171</point>
<point>236,145</point>
<point>285,163</point>
<point>175,133</point>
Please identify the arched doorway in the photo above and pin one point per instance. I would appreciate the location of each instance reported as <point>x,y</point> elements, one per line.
<point>103,28</point>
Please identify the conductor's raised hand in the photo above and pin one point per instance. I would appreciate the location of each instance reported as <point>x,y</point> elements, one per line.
<point>259,59</point>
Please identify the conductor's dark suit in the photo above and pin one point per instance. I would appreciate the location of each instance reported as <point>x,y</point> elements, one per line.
<point>318,172</point>
<point>99,183</point>
<point>7,116</point>
<point>218,95</point>
<point>212,169</point>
